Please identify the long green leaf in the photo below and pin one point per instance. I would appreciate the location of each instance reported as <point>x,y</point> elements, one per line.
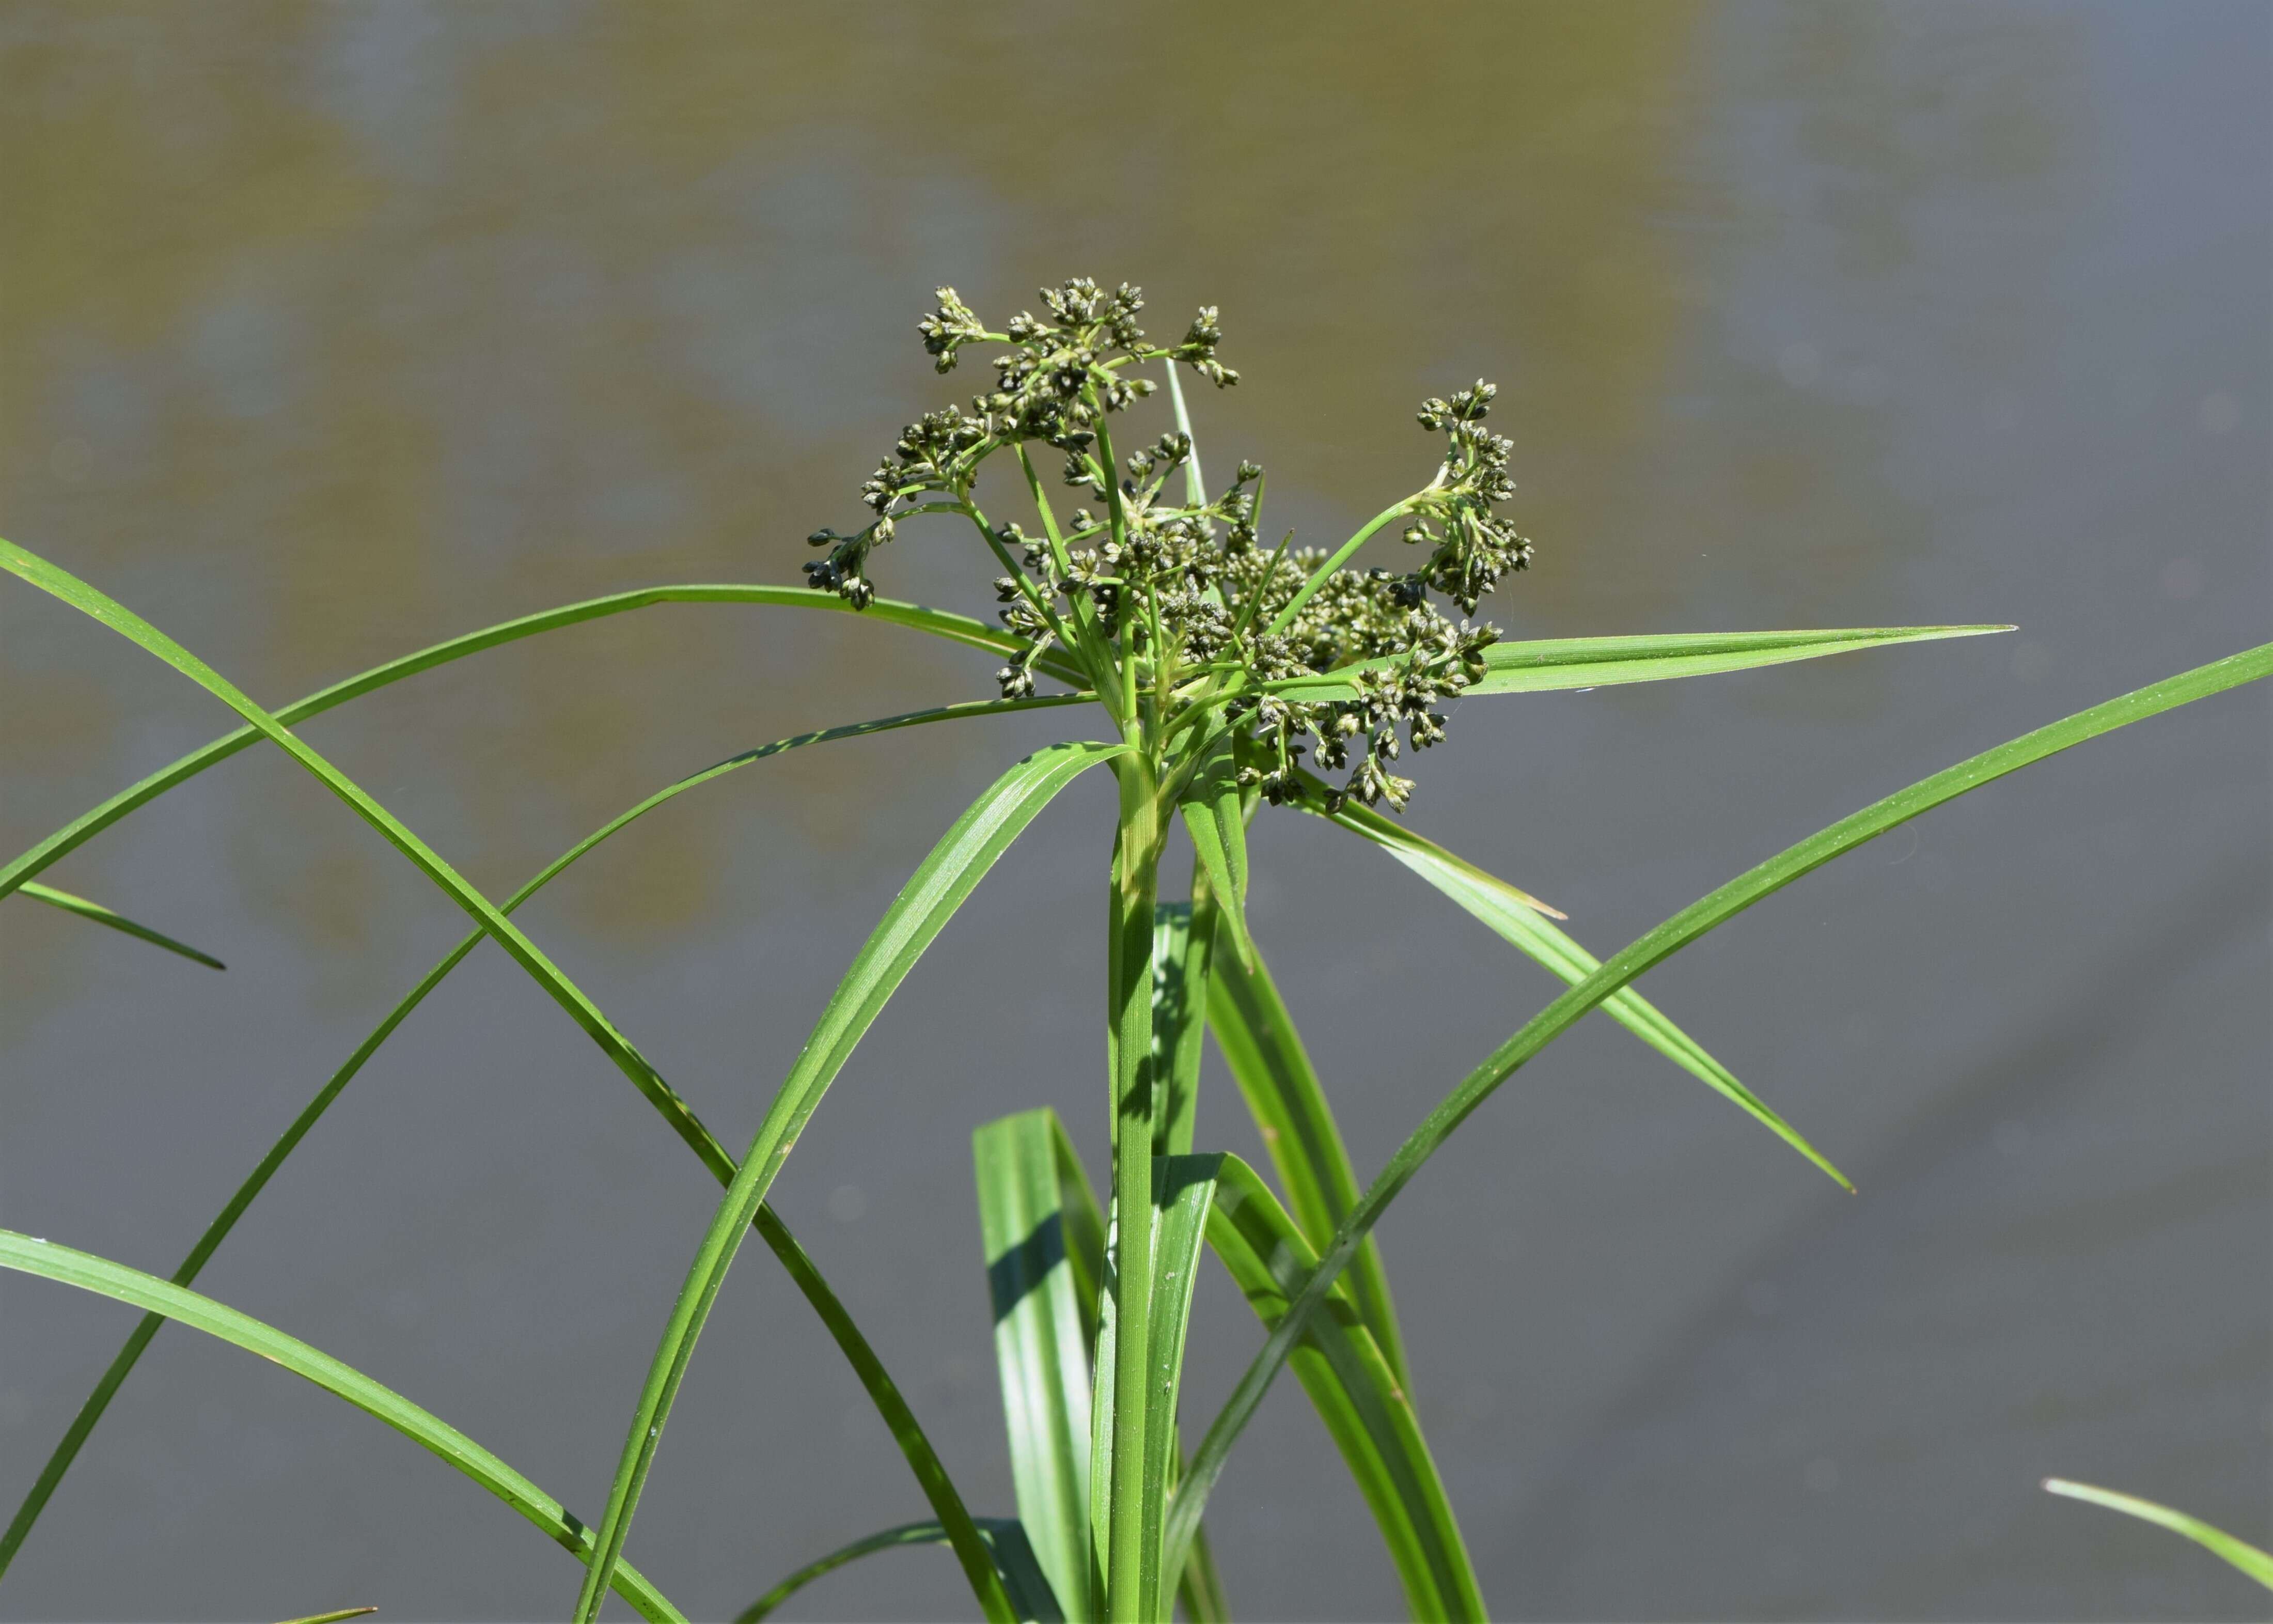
<point>1513,915</point>
<point>1217,823</point>
<point>101,915</point>
<point>2256,1563</point>
<point>87,600</point>
<point>1651,948</point>
<point>1598,662</point>
<point>921,1458</point>
<point>924,905</point>
<point>1013,1558</point>
<point>524,952</point>
<point>1264,1053</point>
<point>954,628</point>
<point>1042,1336</point>
<point>1363,1404</point>
<point>34,1256</point>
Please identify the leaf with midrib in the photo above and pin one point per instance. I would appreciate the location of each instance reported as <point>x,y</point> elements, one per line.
<point>34,1256</point>
<point>1555,663</point>
<point>1038,1222</point>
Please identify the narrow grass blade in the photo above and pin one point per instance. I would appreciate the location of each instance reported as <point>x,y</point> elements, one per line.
<point>1651,948</point>
<point>924,905</point>
<point>571,998</point>
<point>1364,1406</point>
<point>1599,662</point>
<point>1217,822</point>
<point>2240,1553</point>
<point>1042,1339</point>
<point>1264,1053</point>
<point>1515,916</point>
<point>101,915</point>
<point>567,994</point>
<point>524,952</point>
<point>334,1618</point>
<point>920,1456</point>
<point>62,1264</point>
<point>954,628</point>
<point>1014,1559</point>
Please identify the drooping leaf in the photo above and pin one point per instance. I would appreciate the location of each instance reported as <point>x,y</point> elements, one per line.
<point>1365,1408</point>
<point>34,1256</point>
<point>67,587</point>
<point>334,1618</point>
<point>1014,1559</point>
<point>954,628</point>
<point>924,905</point>
<point>1043,1331</point>
<point>921,1458</point>
<point>1264,1052</point>
<point>1514,915</point>
<point>1638,956</point>
<point>2240,1553</point>
<point>101,915</point>
<point>1598,662</point>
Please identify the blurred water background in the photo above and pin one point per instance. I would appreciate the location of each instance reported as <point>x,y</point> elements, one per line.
<point>333,330</point>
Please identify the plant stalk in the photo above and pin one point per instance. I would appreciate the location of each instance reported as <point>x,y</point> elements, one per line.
<point>1129,1033</point>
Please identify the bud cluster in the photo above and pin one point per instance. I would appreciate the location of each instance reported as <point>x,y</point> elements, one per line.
<point>1177,599</point>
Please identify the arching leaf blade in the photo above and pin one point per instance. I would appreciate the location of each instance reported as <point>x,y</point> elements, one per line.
<point>71,904</point>
<point>1516,917</point>
<point>68,1266</point>
<point>924,905</point>
<point>1366,1409</point>
<point>1014,1557</point>
<point>937,622</point>
<point>1653,948</point>
<point>1563,663</point>
<point>2237,1552</point>
<point>922,1459</point>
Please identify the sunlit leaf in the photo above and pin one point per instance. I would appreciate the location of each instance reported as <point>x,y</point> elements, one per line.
<point>99,1275</point>
<point>1631,961</point>
<point>101,915</point>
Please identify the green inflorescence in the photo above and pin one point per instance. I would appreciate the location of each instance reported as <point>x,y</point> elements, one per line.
<point>1179,598</point>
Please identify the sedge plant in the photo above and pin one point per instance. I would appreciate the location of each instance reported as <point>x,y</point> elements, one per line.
<point>1217,676</point>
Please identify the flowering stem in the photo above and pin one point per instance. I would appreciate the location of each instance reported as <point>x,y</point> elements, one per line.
<point>1129,1044</point>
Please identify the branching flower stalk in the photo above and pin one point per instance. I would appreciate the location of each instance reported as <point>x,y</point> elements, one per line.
<point>1189,632</point>
<point>1183,624</point>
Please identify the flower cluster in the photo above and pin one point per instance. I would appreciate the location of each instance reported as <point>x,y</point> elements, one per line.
<point>1176,601</point>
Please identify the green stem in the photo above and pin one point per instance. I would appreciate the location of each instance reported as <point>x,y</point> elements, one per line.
<point>1280,621</point>
<point>1136,886</point>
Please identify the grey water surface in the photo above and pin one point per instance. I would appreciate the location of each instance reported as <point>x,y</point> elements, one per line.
<point>330,330</point>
